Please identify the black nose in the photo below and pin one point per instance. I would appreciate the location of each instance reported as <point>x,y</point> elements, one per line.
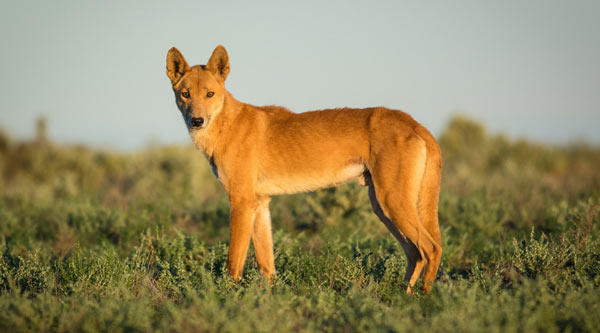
<point>197,122</point>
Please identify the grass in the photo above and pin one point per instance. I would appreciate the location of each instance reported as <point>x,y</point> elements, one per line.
<point>100,241</point>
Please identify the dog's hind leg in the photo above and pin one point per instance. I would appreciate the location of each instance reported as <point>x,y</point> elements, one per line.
<point>413,258</point>
<point>396,179</point>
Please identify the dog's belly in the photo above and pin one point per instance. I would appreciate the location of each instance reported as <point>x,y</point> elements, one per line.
<point>270,184</point>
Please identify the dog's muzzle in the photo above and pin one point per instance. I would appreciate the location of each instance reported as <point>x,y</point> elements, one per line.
<point>197,122</point>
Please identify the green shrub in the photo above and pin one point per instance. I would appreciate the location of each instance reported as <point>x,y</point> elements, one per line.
<point>99,241</point>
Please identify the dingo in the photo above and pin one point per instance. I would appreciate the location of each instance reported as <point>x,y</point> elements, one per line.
<point>256,152</point>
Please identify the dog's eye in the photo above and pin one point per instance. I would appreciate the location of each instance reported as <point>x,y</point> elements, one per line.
<point>185,94</point>
<point>210,94</point>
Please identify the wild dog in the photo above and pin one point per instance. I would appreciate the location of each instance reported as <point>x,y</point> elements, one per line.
<point>256,152</point>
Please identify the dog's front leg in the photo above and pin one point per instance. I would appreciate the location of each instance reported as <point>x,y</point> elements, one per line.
<point>242,215</point>
<point>262,238</point>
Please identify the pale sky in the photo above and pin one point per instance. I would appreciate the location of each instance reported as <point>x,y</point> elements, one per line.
<point>96,69</point>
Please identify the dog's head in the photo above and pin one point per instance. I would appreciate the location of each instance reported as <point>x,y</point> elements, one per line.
<point>199,90</point>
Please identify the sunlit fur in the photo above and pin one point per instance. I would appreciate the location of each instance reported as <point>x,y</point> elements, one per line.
<point>261,151</point>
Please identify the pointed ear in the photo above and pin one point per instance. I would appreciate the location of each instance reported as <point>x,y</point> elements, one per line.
<point>219,62</point>
<point>176,65</point>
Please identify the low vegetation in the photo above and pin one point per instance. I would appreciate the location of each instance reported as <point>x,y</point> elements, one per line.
<point>101,241</point>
